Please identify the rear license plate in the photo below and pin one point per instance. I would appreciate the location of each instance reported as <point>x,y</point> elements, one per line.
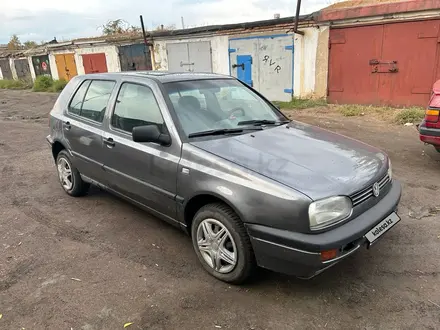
<point>382,227</point>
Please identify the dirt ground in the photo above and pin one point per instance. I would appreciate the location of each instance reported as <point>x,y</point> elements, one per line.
<point>97,262</point>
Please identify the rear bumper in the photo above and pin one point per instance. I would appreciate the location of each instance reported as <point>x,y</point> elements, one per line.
<point>300,254</point>
<point>429,135</point>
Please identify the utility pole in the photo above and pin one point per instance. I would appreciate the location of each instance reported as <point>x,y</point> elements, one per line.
<point>183,24</point>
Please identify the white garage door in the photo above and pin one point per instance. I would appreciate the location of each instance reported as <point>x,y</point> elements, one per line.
<point>189,57</point>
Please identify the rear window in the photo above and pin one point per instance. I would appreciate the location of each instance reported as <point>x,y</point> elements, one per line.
<point>91,99</point>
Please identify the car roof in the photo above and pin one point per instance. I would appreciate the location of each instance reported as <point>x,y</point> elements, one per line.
<point>161,76</point>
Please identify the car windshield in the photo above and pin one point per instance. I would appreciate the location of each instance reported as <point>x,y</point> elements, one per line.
<point>219,104</point>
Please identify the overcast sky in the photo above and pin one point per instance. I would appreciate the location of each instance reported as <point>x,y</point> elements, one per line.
<point>67,19</point>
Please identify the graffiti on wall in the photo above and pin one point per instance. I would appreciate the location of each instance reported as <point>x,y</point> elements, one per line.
<point>268,60</point>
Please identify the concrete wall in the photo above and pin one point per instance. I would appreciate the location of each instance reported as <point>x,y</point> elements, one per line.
<point>110,51</point>
<point>219,47</point>
<point>311,62</point>
<point>31,68</point>
<point>14,72</point>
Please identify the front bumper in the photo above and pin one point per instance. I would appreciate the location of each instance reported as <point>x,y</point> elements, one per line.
<point>49,140</point>
<point>300,254</point>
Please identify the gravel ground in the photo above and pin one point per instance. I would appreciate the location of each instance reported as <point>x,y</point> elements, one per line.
<point>98,262</point>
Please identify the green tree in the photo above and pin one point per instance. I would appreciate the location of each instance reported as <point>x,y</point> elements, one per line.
<point>119,26</point>
<point>14,43</point>
<point>30,44</point>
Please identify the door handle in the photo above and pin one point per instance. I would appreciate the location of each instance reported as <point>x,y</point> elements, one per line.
<point>109,142</point>
<point>67,126</point>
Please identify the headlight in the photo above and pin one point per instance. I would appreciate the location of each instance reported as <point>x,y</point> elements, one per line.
<point>328,211</point>
<point>390,169</point>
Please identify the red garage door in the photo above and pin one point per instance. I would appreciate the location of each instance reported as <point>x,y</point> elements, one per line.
<point>94,63</point>
<point>391,64</point>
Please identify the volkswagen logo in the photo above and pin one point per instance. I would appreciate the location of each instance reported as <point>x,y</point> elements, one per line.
<point>376,189</point>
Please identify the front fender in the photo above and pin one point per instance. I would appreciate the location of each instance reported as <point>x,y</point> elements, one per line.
<point>255,199</point>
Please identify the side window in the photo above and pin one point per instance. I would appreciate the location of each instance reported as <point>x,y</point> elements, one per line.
<point>96,100</point>
<point>77,100</point>
<point>136,106</point>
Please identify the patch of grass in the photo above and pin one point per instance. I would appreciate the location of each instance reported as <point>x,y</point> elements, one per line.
<point>301,103</point>
<point>410,115</point>
<point>43,84</point>
<point>351,110</point>
<point>58,85</point>
<point>47,84</point>
<point>15,84</point>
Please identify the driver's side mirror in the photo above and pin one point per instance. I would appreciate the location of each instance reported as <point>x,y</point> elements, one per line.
<point>150,133</point>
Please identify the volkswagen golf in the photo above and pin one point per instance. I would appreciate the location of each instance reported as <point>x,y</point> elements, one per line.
<point>212,156</point>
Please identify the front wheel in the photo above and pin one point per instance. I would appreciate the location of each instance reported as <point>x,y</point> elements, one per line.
<point>222,243</point>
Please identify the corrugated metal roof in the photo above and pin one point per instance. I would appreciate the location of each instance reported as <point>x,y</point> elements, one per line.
<point>197,30</point>
<point>359,3</point>
<point>370,8</point>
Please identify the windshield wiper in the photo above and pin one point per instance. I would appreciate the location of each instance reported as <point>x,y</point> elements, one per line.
<point>257,122</point>
<point>221,131</point>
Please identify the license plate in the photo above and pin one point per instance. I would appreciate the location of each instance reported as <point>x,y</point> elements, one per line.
<point>382,227</point>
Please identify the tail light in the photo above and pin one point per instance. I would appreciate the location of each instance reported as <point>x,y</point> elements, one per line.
<point>432,114</point>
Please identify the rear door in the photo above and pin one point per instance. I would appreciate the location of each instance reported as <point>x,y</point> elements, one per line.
<point>83,128</point>
<point>145,172</point>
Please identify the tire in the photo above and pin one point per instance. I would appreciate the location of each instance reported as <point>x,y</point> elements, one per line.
<point>77,186</point>
<point>237,244</point>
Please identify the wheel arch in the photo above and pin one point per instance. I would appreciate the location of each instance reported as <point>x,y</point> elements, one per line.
<point>197,201</point>
<point>57,146</point>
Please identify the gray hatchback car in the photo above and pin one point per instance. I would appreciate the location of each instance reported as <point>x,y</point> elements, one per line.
<point>212,156</point>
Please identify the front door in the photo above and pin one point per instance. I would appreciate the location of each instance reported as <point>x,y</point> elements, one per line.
<point>244,69</point>
<point>145,172</point>
<point>83,129</point>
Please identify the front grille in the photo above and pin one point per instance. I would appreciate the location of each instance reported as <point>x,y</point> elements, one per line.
<point>364,194</point>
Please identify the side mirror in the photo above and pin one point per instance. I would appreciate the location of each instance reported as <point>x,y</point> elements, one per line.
<point>150,133</point>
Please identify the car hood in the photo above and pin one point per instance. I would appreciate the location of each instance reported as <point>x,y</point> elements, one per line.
<point>314,161</point>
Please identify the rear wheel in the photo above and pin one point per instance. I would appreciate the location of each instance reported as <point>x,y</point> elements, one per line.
<point>222,243</point>
<point>69,177</point>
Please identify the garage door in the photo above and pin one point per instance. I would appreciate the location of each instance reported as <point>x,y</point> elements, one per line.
<point>41,65</point>
<point>94,63</point>
<point>264,63</point>
<point>66,66</point>
<point>134,57</point>
<point>189,57</point>
<point>6,68</point>
<point>390,64</point>
<point>22,68</point>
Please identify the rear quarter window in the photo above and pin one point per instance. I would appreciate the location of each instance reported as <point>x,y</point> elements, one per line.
<point>77,100</point>
<point>91,99</point>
